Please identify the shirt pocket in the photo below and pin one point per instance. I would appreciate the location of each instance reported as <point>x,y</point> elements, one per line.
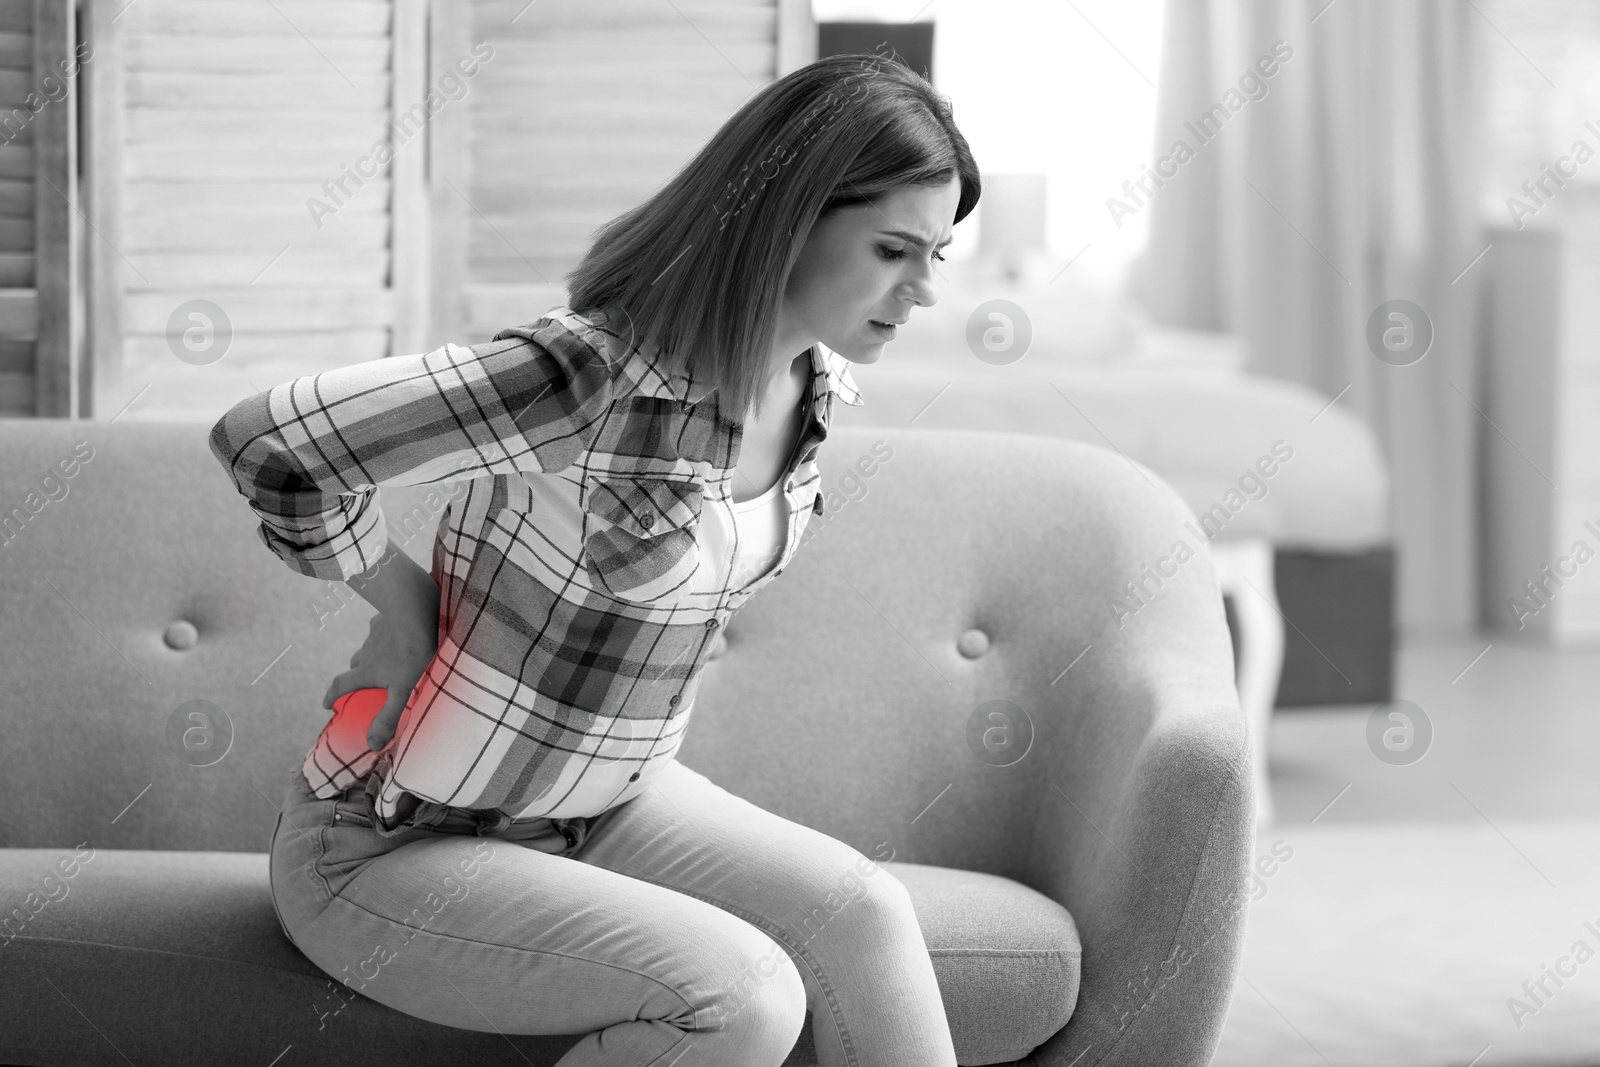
<point>641,534</point>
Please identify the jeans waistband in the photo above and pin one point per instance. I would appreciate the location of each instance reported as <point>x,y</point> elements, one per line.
<point>417,813</point>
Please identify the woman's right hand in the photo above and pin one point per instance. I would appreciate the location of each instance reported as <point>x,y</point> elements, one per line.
<point>393,657</point>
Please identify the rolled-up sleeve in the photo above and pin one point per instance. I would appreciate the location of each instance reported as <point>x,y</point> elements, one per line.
<point>309,455</point>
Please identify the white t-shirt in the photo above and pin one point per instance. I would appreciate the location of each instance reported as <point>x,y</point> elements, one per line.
<point>761,523</point>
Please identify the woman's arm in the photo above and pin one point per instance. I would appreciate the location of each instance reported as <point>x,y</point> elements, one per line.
<point>400,644</point>
<point>308,455</point>
<point>400,588</point>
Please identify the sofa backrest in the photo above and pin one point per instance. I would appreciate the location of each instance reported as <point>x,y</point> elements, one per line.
<point>954,578</point>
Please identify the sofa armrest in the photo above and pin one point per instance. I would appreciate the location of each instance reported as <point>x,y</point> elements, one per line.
<point>1145,819</point>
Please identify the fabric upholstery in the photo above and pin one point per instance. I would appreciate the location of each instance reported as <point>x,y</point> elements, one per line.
<point>848,697</point>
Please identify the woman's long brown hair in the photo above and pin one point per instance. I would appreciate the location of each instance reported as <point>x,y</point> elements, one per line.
<point>700,267</point>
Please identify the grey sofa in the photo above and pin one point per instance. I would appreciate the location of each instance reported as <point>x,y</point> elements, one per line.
<point>1078,862</point>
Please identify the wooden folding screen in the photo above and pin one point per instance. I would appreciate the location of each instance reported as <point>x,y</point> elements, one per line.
<point>232,159</point>
<point>583,111</point>
<point>39,66</point>
<point>238,224</point>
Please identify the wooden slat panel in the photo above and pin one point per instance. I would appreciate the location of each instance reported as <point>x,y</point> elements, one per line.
<point>247,18</point>
<point>16,357</point>
<point>709,92</point>
<point>449,177</point>
<point>16,395</point>
<point>16,235</point>
<point>577,120</point>
<point>16,200</point>
<point>16,269</point>
<point>16,51</point>
<point>257,235</point>
<point>546,266</point>
<point>16,163</point>
<point>238,129</point>
<point>260,234</point>
<point>586,193</point>
<point>19,314</point>
<point>204,161</point>
<point>538,116</point>
<point>263,92</point>
<point>546,231</point>
<point>56,378</point>
<point>797,36</point>
<point>323,308</point>
<point>173,199</point>
<point>553,56</point>
<point>104,115</point>
<point>494,307</point>
<point>231,120</point>
<point>539,218</point>
<point>15,85</point>
<point>294,269</point>
<point>267,351</point>
<point>260,54</point>
<point>719,22</point>
<point>409,262</point>
<point>502,156</point>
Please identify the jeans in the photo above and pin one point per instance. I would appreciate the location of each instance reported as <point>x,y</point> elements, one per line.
<point>685,926</point>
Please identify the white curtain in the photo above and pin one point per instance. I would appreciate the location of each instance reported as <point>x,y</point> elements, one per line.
<point>1352,182</point>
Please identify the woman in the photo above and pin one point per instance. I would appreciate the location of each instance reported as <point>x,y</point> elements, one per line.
<point>492,832</point>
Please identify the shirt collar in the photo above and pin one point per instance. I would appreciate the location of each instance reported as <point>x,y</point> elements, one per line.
<point>614,344</point>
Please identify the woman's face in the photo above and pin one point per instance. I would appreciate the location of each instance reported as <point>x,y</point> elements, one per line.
<point>865,263</point>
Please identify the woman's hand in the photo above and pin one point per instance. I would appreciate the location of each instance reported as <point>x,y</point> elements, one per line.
<point>394,657</point>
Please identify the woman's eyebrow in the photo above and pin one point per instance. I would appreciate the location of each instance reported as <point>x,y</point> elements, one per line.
<point>920,243</point>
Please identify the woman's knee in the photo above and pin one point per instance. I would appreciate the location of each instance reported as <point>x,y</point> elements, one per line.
<point>761,1001</point>
<point>855,910</point>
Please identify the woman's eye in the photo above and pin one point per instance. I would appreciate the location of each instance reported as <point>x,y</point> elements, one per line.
<point>900,253</point>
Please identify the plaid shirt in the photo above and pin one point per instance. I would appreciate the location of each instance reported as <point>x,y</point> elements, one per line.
<point>584,570</point>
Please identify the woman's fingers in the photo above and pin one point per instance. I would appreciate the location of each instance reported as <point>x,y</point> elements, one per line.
<point>384,723</point>
<point>344,682</point>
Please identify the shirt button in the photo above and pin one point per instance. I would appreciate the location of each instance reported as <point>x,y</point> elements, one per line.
<point>634,777</point>
<point>711,624</point>
<point>647,519</point>
<point>674,698</point>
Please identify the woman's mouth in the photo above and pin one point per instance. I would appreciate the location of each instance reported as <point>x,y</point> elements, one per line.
<point>886,328</point>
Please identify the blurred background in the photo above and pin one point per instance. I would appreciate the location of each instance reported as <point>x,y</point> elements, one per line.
<point>1327,267</point>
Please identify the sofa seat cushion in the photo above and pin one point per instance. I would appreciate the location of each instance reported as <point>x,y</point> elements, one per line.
<point>1006,956</point>
<point>177,957</point>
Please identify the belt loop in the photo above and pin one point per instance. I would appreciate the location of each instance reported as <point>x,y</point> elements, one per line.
<point>492,822</point>
<point>429,814</point>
